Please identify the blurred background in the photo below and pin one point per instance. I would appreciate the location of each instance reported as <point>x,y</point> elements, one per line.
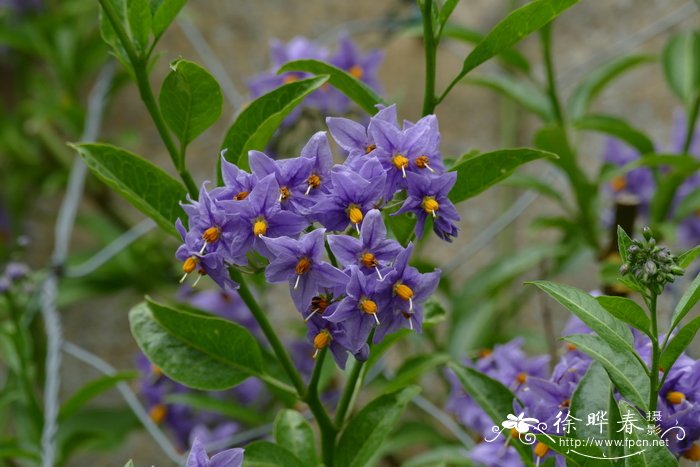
<point>50,57</point>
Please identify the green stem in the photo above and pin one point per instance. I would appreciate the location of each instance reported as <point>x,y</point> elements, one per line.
<point>654,370</point>
<point>326,426</point>
<point>692,119</point>
<point>348,393</point>
<point>546,41</point>
<point>275,343</point>
<point>139,64</point>
<point>430,45</point>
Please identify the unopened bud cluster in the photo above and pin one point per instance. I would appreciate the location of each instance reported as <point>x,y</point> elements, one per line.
<point>651,265</point>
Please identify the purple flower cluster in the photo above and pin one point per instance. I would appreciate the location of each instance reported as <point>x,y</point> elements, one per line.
<point>640,184</point>
<point>548,397</point>
<point>262,214</point>
<point>13,274</point>
<point>326,100</point>
<point>198,457</point>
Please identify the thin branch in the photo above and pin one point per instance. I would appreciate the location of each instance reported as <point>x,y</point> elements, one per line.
<point>129,396</point>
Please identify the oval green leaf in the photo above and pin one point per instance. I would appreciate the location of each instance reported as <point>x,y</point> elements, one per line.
<point>627,311</point>
<point>642,448</point>
<point>267,454</point>
<point>190,100</point>
<point>679,343</point>
<point>614,126</point>
<point>478,173</point>
<point>356,90</point>
<point>681,61</point>
<point>520,91</point>
<point>294,433</point>
<point>257,123</point>
<point>147,187</point>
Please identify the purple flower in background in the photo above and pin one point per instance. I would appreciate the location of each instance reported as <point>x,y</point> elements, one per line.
<point>354,138</point>
<point>495,454</point>
<point>300,262</point>
<point>362,308</point>
<point>428,196</point>
<point>362,67</point>
<point>237,183</point>
<point>352,196</point>
<point>224,303</point>
<point>543,400</point>
<point>323,333</point>
<point>198,457</point>
<point>412,149</point>
<point>637,182</point>
<point>371,251</point>
<point>679,403</point>
<point>407,290</point>
<point>292,177</point>
<point>207,436</point>
<point>260,214</point>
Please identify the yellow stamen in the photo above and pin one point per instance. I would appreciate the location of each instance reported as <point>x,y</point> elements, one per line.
<point>521,378</point>
<point>355,214</point>
<point>284,193</point>
<point>368,260</point>
<point>423,162</point>
<point>485,353</point>
<point>618,183</point>
<point>241,196</point>
<point>318,305</point>
<point>430,205</point>
<point>370,148</point>
<point>400,162</point>
<point>157,372</point>
<point>212,234</point>
<point>158,413</point>
<point>356,72</point>
<point>403,291</point>
<point>260,227</point>
<point>675,397</point>
<point>565,403</point>
<point>541,449</point>
<point>570,347</point>
<point>290,79</point>
<point>314,181</point>
<point>188,266</point>
<point>370,307</point>
<point>692,453</point>
<point>303,265</point>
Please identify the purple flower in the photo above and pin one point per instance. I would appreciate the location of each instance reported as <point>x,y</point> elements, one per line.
<point>323,333</point>
<point>300,262</point>
<point>495,454</point>
<point>198,457</point>
<point>260,214</point>
<point>427,195</point>
<point>363,307</point>
<point>543,400</point>
<point>352,196</point>
<point>237,183</point>
<point>407,290</point>
<point>207,436</point>
<point>371,251</point>
<point>319,152</point>
<point>292,177</point>
<point>194,257</point>
<point>16,271</point>
<point>362,67</point>
<point>353,137</point>
<point>679,403</point>
<point>637,182</point>
<point>413,149</point>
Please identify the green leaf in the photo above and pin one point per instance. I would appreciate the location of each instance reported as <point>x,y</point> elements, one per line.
<point>91,390</point>
<point>257,123</point>
<point>294,433</point>
<point>492,396</point>
<point>266,454</point>
<point>110,36</point>
<point>356,90</point>
<point>627,311</point>
<point>623,243</point>
<point>618,128</point>
<point>532,182</point>
<point>686,259</point>
<point>413,368</point>
<point>591,396</point>
<point>508,57</point>
<point>14,450</point>
<point>478,173</point>
<point>179,361</point>
<point>624,370</point>
<point>688,206</point>
<point>688,300</point>
<point>367,430</point>
<point>190,100</point>
<point>521,92</point>
<point>433,312</point>
<point>147,187</point>
<point>220,338</point>
<point>129,464</point>
<point>139,16</point>
<point>643,449</point>
<point>516,26</point>
<point>164,12</point>
<point>609,328</point>
<point>446,11</point>
<point>679,343</point>
<point>206,403</point>
<point>595,82</point>
<point>681,62</point>
<point>662,202</point>
<point>452,456</point>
